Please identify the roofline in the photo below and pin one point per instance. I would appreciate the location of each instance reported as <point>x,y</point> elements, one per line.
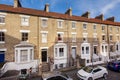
<point>40,13</point>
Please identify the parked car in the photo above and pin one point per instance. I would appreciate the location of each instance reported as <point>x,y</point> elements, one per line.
<point>57,76</point>
<point>91,73</point>
<point>114,65</point>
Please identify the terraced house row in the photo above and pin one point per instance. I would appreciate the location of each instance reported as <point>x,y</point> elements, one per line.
<point>29,38</point>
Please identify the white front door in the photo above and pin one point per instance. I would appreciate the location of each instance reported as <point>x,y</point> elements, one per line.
<point>73,52</point>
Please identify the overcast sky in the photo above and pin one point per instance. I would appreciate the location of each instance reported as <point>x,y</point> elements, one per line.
<point>95,7</point>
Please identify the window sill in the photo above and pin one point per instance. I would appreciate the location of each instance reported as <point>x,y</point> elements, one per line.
<point>2,42</point>
<point>2,23</point>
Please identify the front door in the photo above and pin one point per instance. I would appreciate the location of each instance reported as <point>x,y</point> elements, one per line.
<point>44,55</point>
<point>73,52</point>
<point>2,56</point>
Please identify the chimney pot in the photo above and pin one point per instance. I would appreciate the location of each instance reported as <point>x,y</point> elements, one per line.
<point>111,19</point>
<point>46,8</point>
<point>86,14</point>
<point>69,11</point>
<point>17,3</point>
<point>101,17</point>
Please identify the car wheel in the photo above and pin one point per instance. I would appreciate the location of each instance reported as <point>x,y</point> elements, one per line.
<point>105,76</point>
<point>90,78</point>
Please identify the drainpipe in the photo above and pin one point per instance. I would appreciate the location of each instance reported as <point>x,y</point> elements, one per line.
<point>108,42</point>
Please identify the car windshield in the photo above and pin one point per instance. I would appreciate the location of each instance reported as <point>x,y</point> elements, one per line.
<point>88,69</point>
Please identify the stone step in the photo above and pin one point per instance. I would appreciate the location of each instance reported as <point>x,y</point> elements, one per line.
<point>45,67</point>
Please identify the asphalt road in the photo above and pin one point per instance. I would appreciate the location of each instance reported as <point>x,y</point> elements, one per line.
<point>73,74</point>
<point>112,75</point>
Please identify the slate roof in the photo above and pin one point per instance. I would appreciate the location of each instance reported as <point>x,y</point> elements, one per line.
<point>41,13</point>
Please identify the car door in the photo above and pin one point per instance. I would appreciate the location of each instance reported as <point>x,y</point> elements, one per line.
<point>97,73</point>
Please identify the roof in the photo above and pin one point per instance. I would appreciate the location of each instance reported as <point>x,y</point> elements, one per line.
<point>28,11</point>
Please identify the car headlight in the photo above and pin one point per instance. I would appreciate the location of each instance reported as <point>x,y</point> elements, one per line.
<point>82,76</point>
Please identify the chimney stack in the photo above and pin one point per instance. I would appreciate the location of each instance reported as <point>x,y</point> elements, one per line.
<point>17,3</point>
<point>86,14</point>
<point>101,17</point>
<point>69,12</point>
<point>46,8</point>
<point>111,19</point>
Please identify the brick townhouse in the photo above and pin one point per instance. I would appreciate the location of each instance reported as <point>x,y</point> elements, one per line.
<point>28,34</point>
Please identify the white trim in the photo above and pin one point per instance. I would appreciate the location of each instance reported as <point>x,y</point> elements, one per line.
<point>43,18</point>
<point>73,46</point>
<point>3,30</point>
<point>24,16</point>
<point>117,34</point>
<point>60,32</point>
<point>103,25</point>
<point>2,42</point>
<point>84,23</point>
<point>25,31</point>
<point>4,49</point>
<point>2,13</point>
<point>60,20</point>
<point>74,21</point>
<point>43,47</point>
<point>73,33</point>
<point>85,34</point>
<point>103,34</point>
<point>44,32</point>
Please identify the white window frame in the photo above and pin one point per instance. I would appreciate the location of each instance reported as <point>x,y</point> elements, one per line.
<point>117,29</point>
<point>59,23</point>
<point>73,22</point>
<point>84,28</point>
<point>46,23</point>
<point>24,20</point>
<point>110,37</point>
<point>95,27</point>
<point>3,15</point>
<point>103,29</point>
<point>74,36</point>
<point>44,38</point>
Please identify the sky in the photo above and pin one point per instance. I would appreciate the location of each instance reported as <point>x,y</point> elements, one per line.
<point>108,8</point>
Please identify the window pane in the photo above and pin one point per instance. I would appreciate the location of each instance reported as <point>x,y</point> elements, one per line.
<point>23,55</point>
<point>61,52</point>
<point>84,26</point>
<point>2,36</point>
<point>87,50</point>
<point>73,25</point>
<point>44,23</point>
<point>82,50</point>
<point>2,19</point>
<point>24,36</point>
